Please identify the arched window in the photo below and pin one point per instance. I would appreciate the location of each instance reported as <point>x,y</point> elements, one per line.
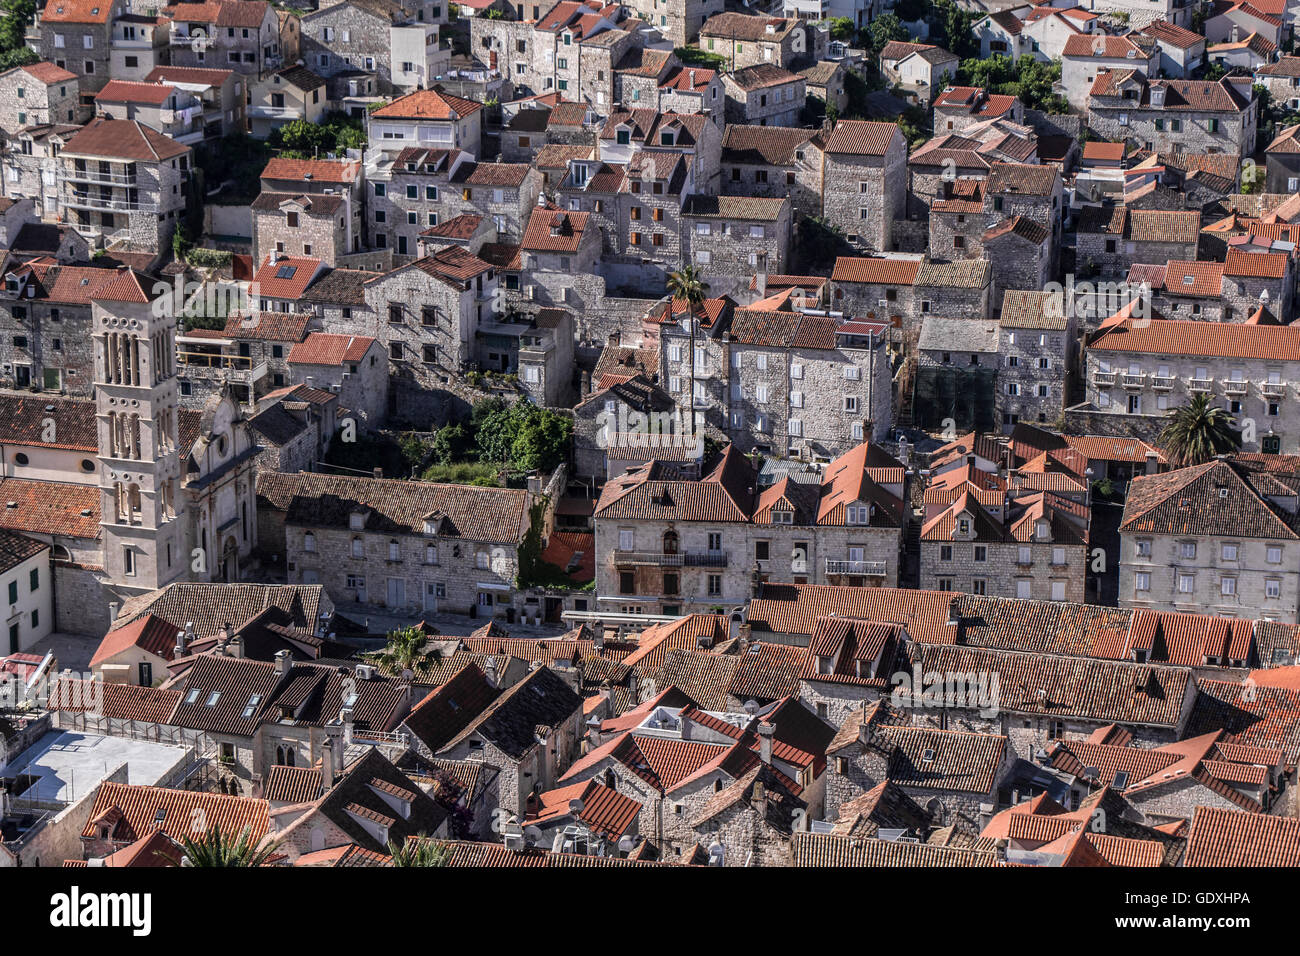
<point>670,542</point>
<point>289,756</point>
<point>279,755</point>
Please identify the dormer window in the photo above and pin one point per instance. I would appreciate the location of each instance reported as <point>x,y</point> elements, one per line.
<point>356,521</point>
<point>825,665</point>
<point>963,526</point>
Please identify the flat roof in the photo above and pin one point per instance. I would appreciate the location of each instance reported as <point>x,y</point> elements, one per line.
<point>69,764</point>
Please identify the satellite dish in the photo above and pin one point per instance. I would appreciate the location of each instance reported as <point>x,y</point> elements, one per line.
<point>751,707</point>
<point>575,806</point>
<point>533,835</point>
<point>626,845</point>
<point>407,673</point>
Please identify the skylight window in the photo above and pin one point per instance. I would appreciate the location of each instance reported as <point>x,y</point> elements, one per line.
<point>252,706</point>
<point>350,700</point>
<point>193,696</point>
<point>285,272</point>
<point>212,699</point>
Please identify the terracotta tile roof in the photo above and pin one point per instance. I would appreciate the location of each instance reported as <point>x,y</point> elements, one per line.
<point>460,227</point>
<point>358,794</point>
<point>735,207</point>
<point>1167,32</point>
<point>494,515</point>
<point>428,104</point>
<point>271,326</point>
<point>313,205</point>
<point>443,714</point>
<point>132,812</point>
<point>1182,277</point>
<point>740,26</point>
<point>323,348</point>
<point>77,11</point>
<point>123,91</point>
<point>1021,226</point>
<point>286,277</point>
<point>1223,340</point>
<point>188,74</point>
<point>795,608</point>
<point>537,705</point>
<point>455,265</point>
<point>492,174</point>
<point>833,850</point>
<point>607,812</point>
<point>1098,46</point>
<point>875,270</point>
<point>763,145</point>
<point>688,79</point>
<point>1231,838</point>
<point>1260,716</point>
<point>1028,309</point>
<point>1064,687</point>
<point>49,507</point>
<point>291,784</point>
<point>210,606</point>
<point>1022,180</point>
<point>554,230</point>
<point>1255,265</point>
<point>864,137</point>
<point>760,76</point>
<point>724,495</point>
<point>150,705</point>
<point>1158,225</point>
<point>23,422</point>
<point>48,73</point>
<point>1095,149</point>
<point>123,140</point>
<point>150,634</point>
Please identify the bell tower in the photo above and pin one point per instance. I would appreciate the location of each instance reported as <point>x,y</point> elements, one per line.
<point>136,404</point>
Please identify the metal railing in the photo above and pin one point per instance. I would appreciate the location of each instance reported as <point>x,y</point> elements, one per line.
<point>854,567</point>
<point>1200,384</point>
<point>1231,387</point>
<point>86,175</point>
<point>690,559</point>
<point>1273,389</point>
<point>1103,378</point>
<point>1133,380</point>
<point>1162,382</point>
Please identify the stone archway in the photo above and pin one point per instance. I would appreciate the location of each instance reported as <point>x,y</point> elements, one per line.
<point>229,570</point>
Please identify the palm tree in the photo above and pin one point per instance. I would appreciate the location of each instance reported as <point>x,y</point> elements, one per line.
<point>1198,431</point>
<point>215,848</point>
<point>688,284</point>
<point>405,651</point>
<point>420,852</point>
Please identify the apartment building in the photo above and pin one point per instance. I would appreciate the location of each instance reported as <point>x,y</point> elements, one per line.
<point>1144,368</point>
<point>1214,116</point>
<point>167,109</point>
<point>1222,538</point>
<point>77,35</point>
<point>285,96</point>
<point>221,93</point>
<point>401,544</point>
<point>1036,349</point>
<point>771,162</point>
<point>867,163</point>
<point>428,119</point>
<point>122,179</point>
<point>39,94</point>
<point>672,546</point>
<point>238,35</point>
<point>398,43</point>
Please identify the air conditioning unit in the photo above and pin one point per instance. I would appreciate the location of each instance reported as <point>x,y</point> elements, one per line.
<point>365,672</point>
<point>532,292</point>
<point>882,303</point>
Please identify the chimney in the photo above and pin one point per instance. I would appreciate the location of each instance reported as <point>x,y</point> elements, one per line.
<point>1152,463</point>
<point>327,765</point>
<point>686,725</point>
<point>281,663</point>
<point>765,732</point>
<point>490,671</point>
<point>692,79</point>
<point>864,732</point>
<point>379,472</point>
<point>760,282</point>
<point>759,799</point>
<point>593,733</point>
<point>236,647</point>
<point>182,645</point>
<point>113,608</point>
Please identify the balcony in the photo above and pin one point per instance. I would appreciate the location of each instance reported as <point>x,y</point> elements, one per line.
<point>1132,380</point>
<point>1103,378</point>
<point>286,113</point>
<point>689,559</point>
<point>855,567</point>
<point>1200,384</point>
<point>1273,389</point>
<point>221,368</point>
<point>81,200</point>
<point>1231,387</point>
<point>1162,383</point>
<point>198,42</point>
<point>81,174</point>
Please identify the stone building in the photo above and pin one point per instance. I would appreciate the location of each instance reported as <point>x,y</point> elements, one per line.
<point>396,42</point>
<point>426,118</point>
<point>1084,58</point>
<point>1175,115</point>
<point>1034,192</point>
<point>1141,370</point>
<point>238,35</point>
<point>1182,289</point>
<point>222,94</point>
<point>122,179</point>
<point>38,94</point>
<point>672,546</point>
<point>956,374</point>
<point>1219,538</point>
<point>355,365</point>
<point>604,420</point>
<point>959,107</point>
<point>77,35</point>
<point>696,137</point>
<point>736,237</point>
<point>989,541</point>
<point>866,161</point>
<point>745,41</point>
<point>1253,280</point>
<point>1036,346</point>
<point>1112,239</point>
<point>764,95</point>
<point>773,162</point>
<point>920,70</point>
<point>1020,253</point>
<point>285,96</point>
<point>680,25</point>
<point>401,544</point>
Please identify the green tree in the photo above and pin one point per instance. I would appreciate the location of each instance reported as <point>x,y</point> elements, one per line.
<point>1198,431</point>
<point>17,14</point>
<point>419,851</point>
<point>406,651</point>
<point>842,29</point>
<point>541,439</point>
<point>413,450</point>
<point>215,848</point>
<point>883,29</point>
<point>451,443</point>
